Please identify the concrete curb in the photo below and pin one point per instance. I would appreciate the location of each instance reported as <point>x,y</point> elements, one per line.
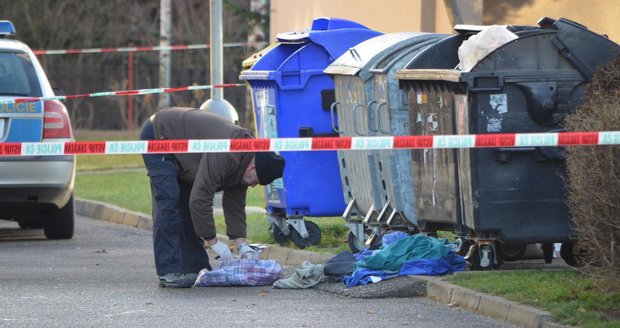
<point>431,287</point>
<point>488,305</point>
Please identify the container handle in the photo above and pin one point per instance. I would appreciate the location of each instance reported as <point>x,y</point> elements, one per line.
<point>378,116</point>
<point>332,109</point>
<point>482,83</point>
<point>355,119</point>
<point>369,105</point>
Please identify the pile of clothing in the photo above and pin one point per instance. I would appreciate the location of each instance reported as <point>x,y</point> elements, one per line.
<point>400,254</point>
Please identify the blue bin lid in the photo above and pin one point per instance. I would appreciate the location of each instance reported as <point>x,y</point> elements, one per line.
<point>309,52</point>
<point>335,35</point>
<point>319,24</point>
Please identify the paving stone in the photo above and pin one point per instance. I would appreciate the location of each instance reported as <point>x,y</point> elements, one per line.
<point>527,316</point>
<point>494,307</point>
<point>465,298</point>
<point>439,291</point>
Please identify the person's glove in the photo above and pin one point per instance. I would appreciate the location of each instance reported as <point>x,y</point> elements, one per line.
<point>222,250</point>
<point>247,252</point>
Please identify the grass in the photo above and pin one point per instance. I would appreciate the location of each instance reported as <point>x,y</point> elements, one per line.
<point>107,162</point>
<point>574,298</point>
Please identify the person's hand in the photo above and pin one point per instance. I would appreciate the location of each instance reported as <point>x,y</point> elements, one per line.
<point>247,252</point>
<point>222,250</point>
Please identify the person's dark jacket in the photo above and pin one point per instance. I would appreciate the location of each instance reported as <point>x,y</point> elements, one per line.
<point>209,172</point>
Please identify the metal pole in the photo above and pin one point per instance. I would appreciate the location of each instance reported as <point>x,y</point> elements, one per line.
<point>217,104</point>
<point>165,35</point>
<point>217,76</point>
<point>130,78</point>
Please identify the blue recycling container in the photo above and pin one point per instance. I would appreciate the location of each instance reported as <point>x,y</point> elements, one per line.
<point>291,98</point>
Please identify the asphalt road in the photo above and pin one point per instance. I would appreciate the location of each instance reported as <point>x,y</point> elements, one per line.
<point>105,277</point>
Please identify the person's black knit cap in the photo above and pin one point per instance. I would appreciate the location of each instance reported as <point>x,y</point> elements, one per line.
<point>269,166</point>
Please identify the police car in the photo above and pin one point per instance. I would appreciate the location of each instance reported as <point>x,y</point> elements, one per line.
<point>35,191</point>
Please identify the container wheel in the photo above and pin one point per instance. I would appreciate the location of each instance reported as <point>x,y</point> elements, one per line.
<point>483,257</point>
<point>314,235</point>
<point>547,249</point>
<point>512,252</point>
<point>463,246</point>
<point>571,254</point>
<point>356,245</point>
<point>278,235</point>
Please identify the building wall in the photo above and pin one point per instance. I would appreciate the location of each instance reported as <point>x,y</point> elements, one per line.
<point>600,16</point>
<point>382,15</point>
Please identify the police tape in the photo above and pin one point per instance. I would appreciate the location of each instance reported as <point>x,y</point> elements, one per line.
<point>503,140</point>
<point>139,49</point>
<point>121,93</point>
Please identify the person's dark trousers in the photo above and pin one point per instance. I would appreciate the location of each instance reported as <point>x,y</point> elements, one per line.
<point>176,246</point>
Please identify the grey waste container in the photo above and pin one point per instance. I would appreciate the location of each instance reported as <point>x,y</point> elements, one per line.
<point>377,184</point>
<point>392,110</point>
<point>504,196</point>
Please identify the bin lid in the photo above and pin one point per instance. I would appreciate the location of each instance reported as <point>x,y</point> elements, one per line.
<point>335,35</point>
<point>398,59</point>
<point>584,48</point>
<point>309,51</point>
<point>365,54</point>
<point>441,54</point>
<point>319,24</point>
<point>250,61</point>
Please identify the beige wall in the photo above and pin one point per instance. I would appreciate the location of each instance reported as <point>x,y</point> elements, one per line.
<point>382,15</point>
<point>600,16</point>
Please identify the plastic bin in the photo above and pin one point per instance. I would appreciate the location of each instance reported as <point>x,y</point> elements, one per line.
<point>291,97</point>
<point>503,196</point>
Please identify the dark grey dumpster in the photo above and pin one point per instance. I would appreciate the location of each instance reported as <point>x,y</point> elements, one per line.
<point>503,196</point>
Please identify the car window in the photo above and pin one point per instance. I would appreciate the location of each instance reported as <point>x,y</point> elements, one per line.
<point>17,76</point>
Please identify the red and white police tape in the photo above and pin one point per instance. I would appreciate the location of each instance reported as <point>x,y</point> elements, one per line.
<point>311,144</point>
<point>121,93</point>
<point>137,49</point>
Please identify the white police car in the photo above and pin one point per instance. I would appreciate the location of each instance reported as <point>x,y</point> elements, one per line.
<point>35,191</point>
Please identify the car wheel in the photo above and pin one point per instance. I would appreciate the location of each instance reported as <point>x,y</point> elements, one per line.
<point>60,224</point>
<point>30,224</point>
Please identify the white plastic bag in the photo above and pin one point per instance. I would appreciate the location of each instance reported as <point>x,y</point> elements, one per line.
<point>481,44</point>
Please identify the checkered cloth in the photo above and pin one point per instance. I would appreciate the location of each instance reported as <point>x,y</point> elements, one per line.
<point>241,272</point>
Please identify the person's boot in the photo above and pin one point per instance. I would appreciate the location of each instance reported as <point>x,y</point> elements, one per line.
<point>177,280</point>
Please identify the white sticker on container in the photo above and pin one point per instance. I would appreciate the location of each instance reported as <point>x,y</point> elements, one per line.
<point>432,122</point>
<point>499,105</point>
<point>422,98</point>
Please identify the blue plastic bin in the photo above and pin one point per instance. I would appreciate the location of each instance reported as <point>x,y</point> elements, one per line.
<point>291,98</point>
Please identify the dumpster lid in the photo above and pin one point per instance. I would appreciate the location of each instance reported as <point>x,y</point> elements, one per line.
<point>365,54</point>
<point>388,60</point>
<point>584,48</point>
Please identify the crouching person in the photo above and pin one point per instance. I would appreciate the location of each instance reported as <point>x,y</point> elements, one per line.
<point>183,187</point>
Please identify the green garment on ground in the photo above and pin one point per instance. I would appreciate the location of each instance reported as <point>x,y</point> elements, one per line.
<point>391,257</point>
<point>306,276</point>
